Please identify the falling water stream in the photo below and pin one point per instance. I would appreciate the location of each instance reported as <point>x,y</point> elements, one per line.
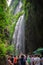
<point>18,8</point>
<point>19,33</point>
<point>9,2</point>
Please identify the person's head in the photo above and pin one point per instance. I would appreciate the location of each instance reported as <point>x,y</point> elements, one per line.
<point>22,56</point>
<point>35,55</point>
<point>9,57</point>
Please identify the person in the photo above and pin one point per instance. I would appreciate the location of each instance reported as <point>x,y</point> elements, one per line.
<point>28,60</point>
<point>32,59</point>
<point>36,60</point>
<point>22,60</point>
<point>42,60</point>
<point>18,60</point>
<point>9,61</point>
<point>15,60</point>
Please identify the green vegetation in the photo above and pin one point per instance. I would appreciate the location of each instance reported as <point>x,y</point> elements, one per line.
<point>10,49</point>
<point>2,50</point>
<point>7,26</point>
<point>6,49</point>
<point>13,6</point>
<point>5,20</point>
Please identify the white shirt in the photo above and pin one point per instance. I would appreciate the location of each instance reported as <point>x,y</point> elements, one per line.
<point>36,61</point>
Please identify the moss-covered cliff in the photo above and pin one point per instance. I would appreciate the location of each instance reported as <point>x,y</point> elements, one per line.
<point>34,25</point>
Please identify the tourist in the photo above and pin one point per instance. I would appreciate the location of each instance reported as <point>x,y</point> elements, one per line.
<point>15,60</point>
<point>18,63</point>
<point>28,60</point>
<point>22,60</point>
<point>36,60</point>
<point>9,61</point>
<point>32,60</point>
<point>12,58</point>
<point>42,60</point>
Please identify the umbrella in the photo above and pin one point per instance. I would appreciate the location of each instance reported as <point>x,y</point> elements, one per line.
<point>38,51</point>
<point>35,52</point>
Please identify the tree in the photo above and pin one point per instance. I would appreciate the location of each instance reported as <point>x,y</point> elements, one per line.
<point>3,18</point>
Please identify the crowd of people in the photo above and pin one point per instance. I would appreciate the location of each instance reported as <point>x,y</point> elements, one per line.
<point>23,59</point>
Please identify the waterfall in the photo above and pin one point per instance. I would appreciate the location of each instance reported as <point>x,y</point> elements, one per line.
<point>9,2</point>
<point>18,8</point>
<point>19,35</point>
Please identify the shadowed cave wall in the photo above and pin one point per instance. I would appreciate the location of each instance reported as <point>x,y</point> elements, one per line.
<point>34,25</point>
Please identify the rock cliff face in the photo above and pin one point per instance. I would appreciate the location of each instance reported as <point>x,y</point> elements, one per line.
<point>34,26</point>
